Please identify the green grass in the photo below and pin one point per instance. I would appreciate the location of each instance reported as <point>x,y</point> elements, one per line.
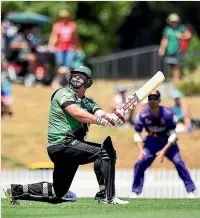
<point>88,208</point>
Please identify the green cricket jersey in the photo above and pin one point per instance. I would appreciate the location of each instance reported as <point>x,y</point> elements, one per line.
<point>62,127</point>
<point>173,41</point>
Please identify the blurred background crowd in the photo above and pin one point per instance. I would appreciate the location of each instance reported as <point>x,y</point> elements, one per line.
<point>42,41</point>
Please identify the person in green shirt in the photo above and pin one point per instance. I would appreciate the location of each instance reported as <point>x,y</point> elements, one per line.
<point>170,44</point>
<point>70,113</point>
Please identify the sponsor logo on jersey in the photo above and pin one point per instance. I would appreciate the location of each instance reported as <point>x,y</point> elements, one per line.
<point>148,121</point>
<point>156,128</point>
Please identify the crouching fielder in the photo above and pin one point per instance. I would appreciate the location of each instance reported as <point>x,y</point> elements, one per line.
<point>70,114</point>
<point>161,141</point>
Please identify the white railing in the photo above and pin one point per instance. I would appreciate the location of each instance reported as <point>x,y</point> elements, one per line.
<point>158,183</point>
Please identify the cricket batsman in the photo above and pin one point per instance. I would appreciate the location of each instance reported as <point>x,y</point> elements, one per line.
<point>70,113</point>
<point>161,141</point>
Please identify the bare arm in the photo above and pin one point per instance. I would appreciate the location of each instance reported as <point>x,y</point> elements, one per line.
<point>186,114</point>
<point>171,140</point>
<point>160,154</point>
<point>138,140</point>
<point>53,38</point>
<point>77,42</point>
<point>186,35</point>
<point>99,113</point>
<point>18,45</point>
<point>163,45</point>
<point>140,145</point>
<point>81,114</point>
<point>167,146</point>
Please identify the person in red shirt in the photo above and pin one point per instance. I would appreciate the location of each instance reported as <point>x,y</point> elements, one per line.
<point>64,40</point>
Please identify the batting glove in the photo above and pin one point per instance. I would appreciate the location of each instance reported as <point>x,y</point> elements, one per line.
<point>105,120</point>
<point>119,117</point>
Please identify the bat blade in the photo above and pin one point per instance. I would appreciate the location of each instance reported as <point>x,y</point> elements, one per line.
<point>144,91</point>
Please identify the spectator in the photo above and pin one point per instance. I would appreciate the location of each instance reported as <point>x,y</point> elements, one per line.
<point>142,105</point>
<point>121,99</point>
<point>182,114</point>
<point>185,42</point>
<point>173,33</point>
<point>6,97</point>
<point>20,48</point>
<point>64,40</point>
<point>8,30</point>
<point>61,80</point>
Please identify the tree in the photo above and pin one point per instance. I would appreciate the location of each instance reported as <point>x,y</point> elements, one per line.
<point>103,26</point>
<point>96,21</point>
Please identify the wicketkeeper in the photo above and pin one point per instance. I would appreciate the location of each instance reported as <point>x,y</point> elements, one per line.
<point>161,141</point>
<point>69,116</point>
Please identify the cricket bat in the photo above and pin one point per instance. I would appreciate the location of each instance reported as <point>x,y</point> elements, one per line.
<point>140,95</point>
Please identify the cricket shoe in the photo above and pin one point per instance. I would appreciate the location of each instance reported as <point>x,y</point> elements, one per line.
<point>8,194</point>
<point>100,195</point>
<point>133,195</point>
<point>115,200</point>
<point>191,195</point>
<point>69,197</point>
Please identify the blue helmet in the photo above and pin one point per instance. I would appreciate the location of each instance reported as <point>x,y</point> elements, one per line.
<point>122,89</point>
<point>176,94</point>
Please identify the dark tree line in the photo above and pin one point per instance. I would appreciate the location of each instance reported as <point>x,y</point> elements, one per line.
<point>144,25</point>
<point>104,27</point>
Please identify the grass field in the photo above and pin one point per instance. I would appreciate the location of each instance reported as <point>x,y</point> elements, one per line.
<point>88,208</point>
<point>24,135</point>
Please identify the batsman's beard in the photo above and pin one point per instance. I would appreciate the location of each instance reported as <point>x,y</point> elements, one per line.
<point>75,82</point>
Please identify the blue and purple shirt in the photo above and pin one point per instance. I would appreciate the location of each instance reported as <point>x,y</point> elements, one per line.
<point>157,127</point>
